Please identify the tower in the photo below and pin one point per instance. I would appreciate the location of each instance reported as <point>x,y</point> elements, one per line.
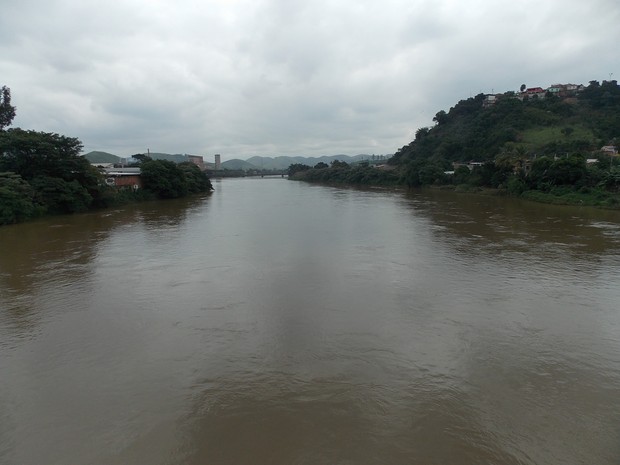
<point>218,162</point>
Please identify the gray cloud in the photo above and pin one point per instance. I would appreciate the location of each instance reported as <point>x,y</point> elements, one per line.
<point>275,77</point>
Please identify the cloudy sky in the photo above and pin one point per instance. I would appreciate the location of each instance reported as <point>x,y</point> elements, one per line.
<point>284,77</point>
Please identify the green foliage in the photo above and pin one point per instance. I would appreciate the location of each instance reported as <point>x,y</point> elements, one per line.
<point>336,164</point>
<point>461,175</point>
<point>164,178</point>
<point>7,111</point>
<point>296,168</point>
<point>44,173</point>
<point>610,180</point>
<point>344,173</point>
<point>56,195</point>
<point>167,180</point>
<point>196,180</point>
<point>16,199</point>
<point>469,131</point>
<point>547,172</point>
<point>32,154</point>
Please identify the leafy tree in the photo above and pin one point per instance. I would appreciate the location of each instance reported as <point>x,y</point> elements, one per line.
<point>339,164</point>
<point>32,154</point>
<point>421,133</point>
<point>567,131</point>
<point>461,175</point>
<point>59,196</point>
<point>164,178</point>
<point>523,87</point>
<point>141,157</point>
<point>196,180</point>
<point>37,155</point>
<point>611,180</point>
<point>320,165</point>
<point>440,118</point>
<point>16,199</point>
<point>7,111</point>
<point>296,168</point>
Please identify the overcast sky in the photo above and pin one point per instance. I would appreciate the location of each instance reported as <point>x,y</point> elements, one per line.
<point>284,77</point>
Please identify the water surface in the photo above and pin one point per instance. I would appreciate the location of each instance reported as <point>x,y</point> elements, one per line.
<point>280,322</point>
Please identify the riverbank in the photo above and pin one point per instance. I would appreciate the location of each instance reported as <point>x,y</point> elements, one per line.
<point>366,176</point>
<point>561,195</point>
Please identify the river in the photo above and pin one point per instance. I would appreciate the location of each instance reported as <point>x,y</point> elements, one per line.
<point>277,322</point>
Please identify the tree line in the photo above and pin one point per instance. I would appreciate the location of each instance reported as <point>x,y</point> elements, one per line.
<point>43,173</point>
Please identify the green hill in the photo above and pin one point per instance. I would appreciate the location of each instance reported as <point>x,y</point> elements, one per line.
<point>102,157</point>
<point>473,129</point>
<point>540,145</point>
<point>237,164</point>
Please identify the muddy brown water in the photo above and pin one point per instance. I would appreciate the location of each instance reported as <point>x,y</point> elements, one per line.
<point>277,322</point>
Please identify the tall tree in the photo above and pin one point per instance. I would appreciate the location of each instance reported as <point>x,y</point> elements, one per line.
<point>7,111</point>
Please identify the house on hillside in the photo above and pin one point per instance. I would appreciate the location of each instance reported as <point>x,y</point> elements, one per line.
<point>611,150</point>
<point>532,92</point>
<point>489,100</point>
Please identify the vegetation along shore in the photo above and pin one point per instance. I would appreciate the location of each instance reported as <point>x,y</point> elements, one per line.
<point>554,145</point>
<point>43,173</point>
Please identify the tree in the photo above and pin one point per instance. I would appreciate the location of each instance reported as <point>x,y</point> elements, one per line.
<point>196,180</point>
<point>32,154</point>
<point>441,118</point>
<point>523,87</point>
<point>7,111</point>
<point>16,199</point>
<point>320,165</point>
<point>339,164</point>
<point>164,178</point>
<point>421,132</point>
<point>567,131</point>
<point>59,196</point>
<point>296,168</point>
<point>141,157</point>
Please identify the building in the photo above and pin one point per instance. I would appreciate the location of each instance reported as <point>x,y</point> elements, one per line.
<point>197,160</point>
<point>218,162</point>
<point>124,178</point>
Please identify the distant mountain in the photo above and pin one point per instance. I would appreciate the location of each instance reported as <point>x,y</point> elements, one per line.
<point>281,163</point>
<point>237,164</point>
<point>256,162</point>
<point>176,158</point>
<point>102,157</point>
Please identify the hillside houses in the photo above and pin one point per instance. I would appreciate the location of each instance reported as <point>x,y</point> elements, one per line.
<point>562,91</point>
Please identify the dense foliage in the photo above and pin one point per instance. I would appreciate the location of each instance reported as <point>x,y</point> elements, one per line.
<point>7,111</point>
<point>341,172</point>
<point>43,173</point>
<point>167,180</point>
<point>548,126</point>
<point>543,148</point>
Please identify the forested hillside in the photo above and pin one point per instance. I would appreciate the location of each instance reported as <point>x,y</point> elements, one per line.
<point>552,125</point>
<point>556,145</point>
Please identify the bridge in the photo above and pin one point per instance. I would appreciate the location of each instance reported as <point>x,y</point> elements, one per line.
<point>246,173</point>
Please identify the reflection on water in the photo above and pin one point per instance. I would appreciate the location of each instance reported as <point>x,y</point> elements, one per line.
<point>279,322</point>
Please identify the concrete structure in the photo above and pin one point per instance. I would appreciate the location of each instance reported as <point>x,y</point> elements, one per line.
<point>218,162</point>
